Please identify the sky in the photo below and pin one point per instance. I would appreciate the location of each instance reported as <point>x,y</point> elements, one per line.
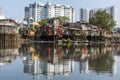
<point>15,8</point>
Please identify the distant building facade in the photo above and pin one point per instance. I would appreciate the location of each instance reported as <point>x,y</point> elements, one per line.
<point>39,11</point>
<point>93,11</point>
<point>1,16</point>
<point>85,14</point>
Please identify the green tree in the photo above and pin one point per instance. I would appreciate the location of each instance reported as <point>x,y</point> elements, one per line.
<point>43,22</point>
<point>20,30</point>
<point>62,20</point>
<point>102,20</point>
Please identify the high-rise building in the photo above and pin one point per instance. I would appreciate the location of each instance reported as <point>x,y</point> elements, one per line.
<point>85,14</point>
<point>93,11</point>
<point>1,16</point>
<point>39,11</point>
<point>113,12</point>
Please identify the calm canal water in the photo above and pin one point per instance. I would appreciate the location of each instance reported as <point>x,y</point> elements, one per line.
<point>35,61</point>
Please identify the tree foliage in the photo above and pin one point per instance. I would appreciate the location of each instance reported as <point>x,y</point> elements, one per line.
<point>20,30</point>
<point>43,22</point>
<point>102,20</point>
<point>62,20</point>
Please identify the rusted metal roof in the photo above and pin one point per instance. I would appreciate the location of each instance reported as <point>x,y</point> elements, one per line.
<point>9,20</point>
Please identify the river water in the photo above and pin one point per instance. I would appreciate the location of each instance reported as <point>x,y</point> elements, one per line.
<point>36,61</point>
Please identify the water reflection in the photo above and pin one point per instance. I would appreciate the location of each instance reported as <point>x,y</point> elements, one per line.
<point>8,53</point>
<point>50,60</point>
<point>45,59</point>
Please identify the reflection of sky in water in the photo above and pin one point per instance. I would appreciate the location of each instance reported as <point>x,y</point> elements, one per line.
<point>42,61</point>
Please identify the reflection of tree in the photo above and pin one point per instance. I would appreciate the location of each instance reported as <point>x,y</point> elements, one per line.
<point>102,64</point>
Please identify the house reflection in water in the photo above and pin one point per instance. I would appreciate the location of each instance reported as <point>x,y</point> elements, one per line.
<point>8,55</point>
<point>49,60</point>
<point>49,66</point>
